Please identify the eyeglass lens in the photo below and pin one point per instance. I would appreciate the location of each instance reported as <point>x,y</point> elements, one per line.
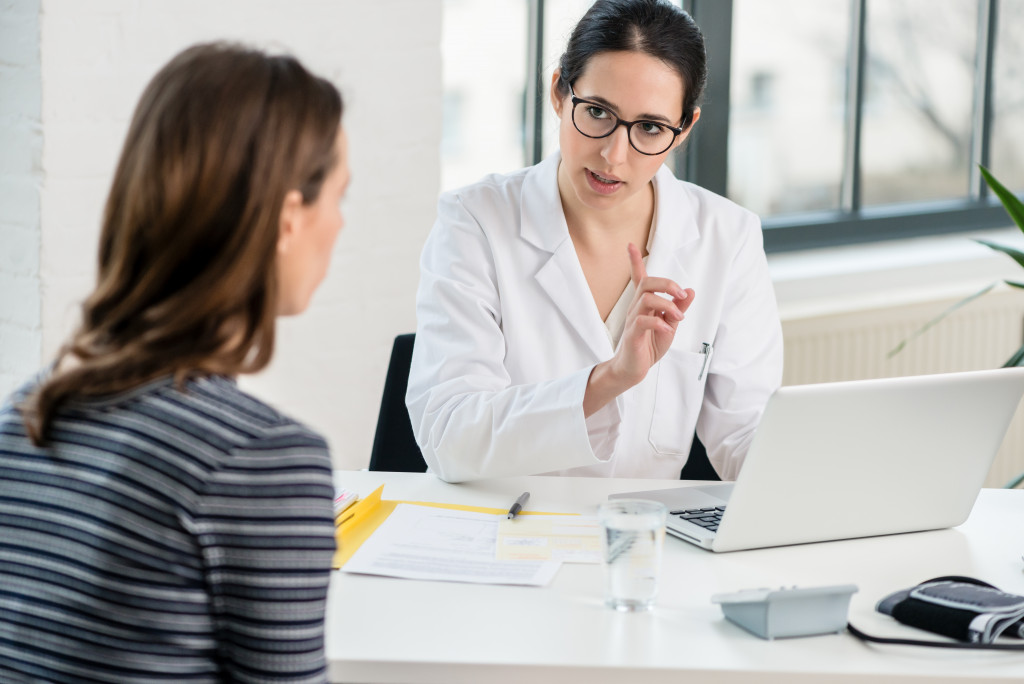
<point>647,137</point>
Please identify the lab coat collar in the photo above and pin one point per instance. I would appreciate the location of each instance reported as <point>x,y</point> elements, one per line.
<point>543,226</point>
<point>543,221</point>
<point>675,228</point>
<point>561,277</point>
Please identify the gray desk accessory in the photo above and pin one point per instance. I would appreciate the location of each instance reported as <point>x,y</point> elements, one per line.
<point>788,612</point>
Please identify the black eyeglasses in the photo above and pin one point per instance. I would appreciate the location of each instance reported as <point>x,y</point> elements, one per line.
<point>595,120</point>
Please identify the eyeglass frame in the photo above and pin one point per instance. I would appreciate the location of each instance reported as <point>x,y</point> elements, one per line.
<point>619,121</point>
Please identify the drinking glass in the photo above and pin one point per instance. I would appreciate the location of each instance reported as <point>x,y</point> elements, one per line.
<point>632,540</point>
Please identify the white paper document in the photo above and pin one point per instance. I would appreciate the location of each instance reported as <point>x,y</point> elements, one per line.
<point>566,538</point>
<point>423,542</point>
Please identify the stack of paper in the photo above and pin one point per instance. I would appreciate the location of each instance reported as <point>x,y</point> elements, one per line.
<point>460,543</point>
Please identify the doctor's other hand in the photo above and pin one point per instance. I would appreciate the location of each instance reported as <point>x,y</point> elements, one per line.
<point>650,327</point>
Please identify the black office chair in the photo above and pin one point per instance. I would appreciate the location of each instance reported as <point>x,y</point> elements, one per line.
<point>697,466</point>
<point>395,448</point>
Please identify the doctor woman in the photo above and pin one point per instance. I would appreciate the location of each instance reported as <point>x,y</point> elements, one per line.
<point>586,315</point>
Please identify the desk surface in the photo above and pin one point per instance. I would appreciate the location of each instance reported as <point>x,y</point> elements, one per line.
<point>391,630</point>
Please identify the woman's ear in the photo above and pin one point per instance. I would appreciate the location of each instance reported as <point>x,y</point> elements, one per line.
<point>556,97</point>
<point>686,131</point>
<point>693,119</point>
<point>291,220</point>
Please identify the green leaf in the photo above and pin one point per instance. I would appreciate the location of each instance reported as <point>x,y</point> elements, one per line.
<point>1014,207</point>
<point>1014,253</point>
<point>927,326</point>
<point>1016,360</point>
<point>1012,283</point>
<point>1015,482</point>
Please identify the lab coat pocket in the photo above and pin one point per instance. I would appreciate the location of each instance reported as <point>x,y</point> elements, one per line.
<point>678,398</point>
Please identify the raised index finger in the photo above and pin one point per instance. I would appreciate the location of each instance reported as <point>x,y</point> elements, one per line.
<point>637,270</point>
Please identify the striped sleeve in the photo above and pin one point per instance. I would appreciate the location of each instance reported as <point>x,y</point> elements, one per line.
<point>265,529</point>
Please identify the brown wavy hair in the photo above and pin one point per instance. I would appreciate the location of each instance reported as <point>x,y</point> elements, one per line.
<point>187,257</point>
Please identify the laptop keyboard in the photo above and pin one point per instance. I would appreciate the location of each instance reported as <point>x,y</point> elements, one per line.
<point>708,518</point>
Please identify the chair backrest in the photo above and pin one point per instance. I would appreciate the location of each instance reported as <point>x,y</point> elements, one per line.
<point>697,466</point>
<point>395,448</point>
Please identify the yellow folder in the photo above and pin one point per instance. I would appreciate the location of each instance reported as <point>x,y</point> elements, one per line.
<point>355,525</point>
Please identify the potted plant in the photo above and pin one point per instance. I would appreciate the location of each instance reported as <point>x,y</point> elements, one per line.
<point>1015,208</point>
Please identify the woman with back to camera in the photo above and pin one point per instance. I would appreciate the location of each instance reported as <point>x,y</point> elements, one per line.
<point>156,522</point>
<point>551,335</point>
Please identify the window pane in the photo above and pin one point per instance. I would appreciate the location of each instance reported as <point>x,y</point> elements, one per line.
<point>787,95</point>
<point>919,96</point>
<point>560,16</point>
<point>1008,101</point>
<point>483,45</point>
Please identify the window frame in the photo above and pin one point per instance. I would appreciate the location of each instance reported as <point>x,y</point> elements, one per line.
<point>704,158</point>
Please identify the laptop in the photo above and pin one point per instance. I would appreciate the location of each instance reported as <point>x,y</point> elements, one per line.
<point>854,459</point>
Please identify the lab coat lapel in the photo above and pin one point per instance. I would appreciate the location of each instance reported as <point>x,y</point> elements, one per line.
<point>562,280</point>
<point>561,276</point>
<point>675,228</point>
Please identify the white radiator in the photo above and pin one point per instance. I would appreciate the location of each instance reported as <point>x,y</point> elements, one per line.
<point>854,345</point>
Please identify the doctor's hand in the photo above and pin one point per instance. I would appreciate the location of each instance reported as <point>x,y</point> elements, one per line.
<point>648,333</point>
<point>651,321</point>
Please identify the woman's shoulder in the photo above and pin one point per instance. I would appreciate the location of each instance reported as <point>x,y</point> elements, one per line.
<point>198,425</point>
<point>706,203</point>
<point>217,399</point>
<point>22,392</point>
<point>537,182</point>
<point>209,410</point>
<point>502,205</point>
<point>492,188</point>
<point>715,220</point>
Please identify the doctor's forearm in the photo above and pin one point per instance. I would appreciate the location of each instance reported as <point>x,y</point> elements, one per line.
<point>602,388</point>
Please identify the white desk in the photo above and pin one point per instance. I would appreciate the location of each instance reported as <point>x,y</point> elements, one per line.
<point>392,630</point>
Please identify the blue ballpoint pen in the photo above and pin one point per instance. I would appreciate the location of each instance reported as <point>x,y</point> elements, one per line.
<point>518,505</point>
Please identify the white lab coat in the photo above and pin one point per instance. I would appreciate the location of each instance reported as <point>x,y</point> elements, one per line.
<point>508,333</point>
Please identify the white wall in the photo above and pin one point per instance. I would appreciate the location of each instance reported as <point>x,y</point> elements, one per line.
<point>20,179</point>
<point>94,58</point>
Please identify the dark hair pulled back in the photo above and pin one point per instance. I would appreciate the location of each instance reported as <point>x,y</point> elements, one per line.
<point>654,27</point>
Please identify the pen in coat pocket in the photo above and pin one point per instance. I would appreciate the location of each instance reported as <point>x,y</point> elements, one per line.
<point>707,350</point>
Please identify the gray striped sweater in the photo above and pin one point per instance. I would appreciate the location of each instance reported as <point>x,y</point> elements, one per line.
<point>164,536</point>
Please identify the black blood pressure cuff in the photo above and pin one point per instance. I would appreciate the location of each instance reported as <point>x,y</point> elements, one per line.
<point>962,608</point>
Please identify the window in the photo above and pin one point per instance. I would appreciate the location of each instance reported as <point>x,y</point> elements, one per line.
<point>1007,153</point>
<point>877,115</point>
<point>837,121</point>
<point>484,75</point>
<point>493,87</point>
<point>917,104</point>
<point>785,114</point>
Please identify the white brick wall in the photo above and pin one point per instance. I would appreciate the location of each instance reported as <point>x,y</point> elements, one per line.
<point>20,178</point>
<point>97,56</point>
